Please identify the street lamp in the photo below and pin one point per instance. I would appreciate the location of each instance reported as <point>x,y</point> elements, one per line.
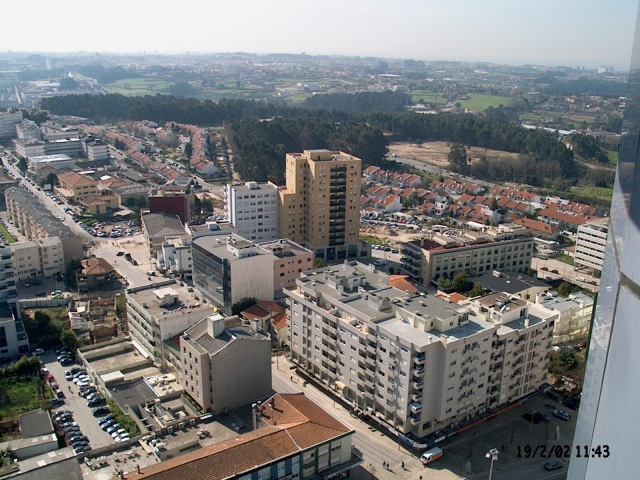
<point>493,455</point>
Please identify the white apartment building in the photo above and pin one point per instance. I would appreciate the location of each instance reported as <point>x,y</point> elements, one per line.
<point>29,148</point>
<point>96,150</point>
<point>8,121</point>
<point>575,312</point>
<point>13,337</point>
<point>28,130</point>
<point>37,258</point>
<point>158,312</point>
<point>417,363</point>
<point>591,241</point>
<point>252,209</point>
<point>59,162</point>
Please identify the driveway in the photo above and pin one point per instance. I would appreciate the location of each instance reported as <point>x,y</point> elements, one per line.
<point>76,404</point>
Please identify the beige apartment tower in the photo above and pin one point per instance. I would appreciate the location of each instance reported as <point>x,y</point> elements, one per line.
<point>320,204</point>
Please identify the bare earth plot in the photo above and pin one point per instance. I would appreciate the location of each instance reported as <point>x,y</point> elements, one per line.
<point>435,153</point>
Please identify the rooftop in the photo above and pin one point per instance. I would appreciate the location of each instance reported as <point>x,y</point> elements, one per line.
<point>162,224</point>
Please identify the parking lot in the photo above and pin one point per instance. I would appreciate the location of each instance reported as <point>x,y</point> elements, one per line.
<point>82,414</point>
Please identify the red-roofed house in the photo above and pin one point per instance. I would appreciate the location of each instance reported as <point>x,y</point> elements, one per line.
<point>538,229</point>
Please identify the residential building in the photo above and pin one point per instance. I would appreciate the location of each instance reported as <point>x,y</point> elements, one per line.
<point>176,199</point>
<point>29,147</point>
<point>320,204</point>
<point>95,273</point>
<point>158,312</point>
<point>98,205</point>
<point>507,247</point>
<point>37,258</point>
<point>607,415</point>
<point>129,193</point>
<point>267,316</point>
<point>96,151</point>
<point>34,221</point>
<point>13,337</point>
<point>225,364</point>
<point>416,362</point>
<point>8,121</point>
<point>71,147</point>
<point>591,242</point>
<point>227,269</point>
<point>176,257</point>
<point>295,438</point>
<point>290,261</point>
<point>575,315</point>
<point>28,130</point>
<point>75,186</point>
<point>252,209</point>
<point>156,227</point>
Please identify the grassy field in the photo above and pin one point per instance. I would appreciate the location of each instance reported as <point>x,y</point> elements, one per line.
<point>600,192</point>
<point>298,97</point>
<point>7,236</point>
<point>426,95</point>
<point>564,258</point>
<point>139,86</point>
<point>479,102</point>
<point>19,395</point>
<point>613,157</point>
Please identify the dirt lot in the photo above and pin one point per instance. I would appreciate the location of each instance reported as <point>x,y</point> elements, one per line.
<point>436,153</point>
<point>392,236</point>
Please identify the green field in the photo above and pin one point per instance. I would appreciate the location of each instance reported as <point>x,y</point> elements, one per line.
<point>298,97</point>
<point>19,395</point>
<point>426,95</point>
<point>139,86</point>
<point>613,157</point>
<point>7,236</point>
<point>600,192</point>
<point>479,102</point>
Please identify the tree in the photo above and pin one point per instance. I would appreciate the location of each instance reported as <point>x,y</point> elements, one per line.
<point>22,164</point>
<point>458,158</point>
<point>476,291</point>
<point>70,275</point>
<point>461,282</point>
<point>565,289</point>
<point>445,285</point>
<point>188,150</point>
<point>70,340</point>
<point>319,263</point>
<point>562,361</point>
<point>242,305</point>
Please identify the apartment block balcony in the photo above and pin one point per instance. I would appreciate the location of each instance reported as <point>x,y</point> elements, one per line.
<point>418,371</point>
<point>417,384</point>
<point>415,407</point>
<point>414,419</point>
<point>419,359</point>
<point>416,396</point>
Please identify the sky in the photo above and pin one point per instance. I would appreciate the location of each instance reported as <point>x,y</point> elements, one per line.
<point>545,32</point>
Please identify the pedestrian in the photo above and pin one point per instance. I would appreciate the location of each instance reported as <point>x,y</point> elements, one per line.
<point>384,464</point>
<point>403,465</point>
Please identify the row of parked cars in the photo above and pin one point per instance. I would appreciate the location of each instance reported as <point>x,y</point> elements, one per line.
<point>110,425</point>
<point>70,430</point>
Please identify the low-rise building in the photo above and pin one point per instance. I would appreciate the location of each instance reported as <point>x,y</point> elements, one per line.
<point>290,261</point>
<point>75,186</point>
<point>95,273</point>
<point>226,364</point>
<point>508,247</point>
<point>513,283</point>
<point>156,227</point>
<point>37,258</point>
<point>57,161</point>
<point>227,269</point>
<point>575,313</point>
<point>294,438</point>
<point>176,257</point>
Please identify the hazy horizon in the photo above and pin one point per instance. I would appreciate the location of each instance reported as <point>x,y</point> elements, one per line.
<point>570,33</point>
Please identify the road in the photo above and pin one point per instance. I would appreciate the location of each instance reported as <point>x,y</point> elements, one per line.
<point>565,272</point>
<point>441,171</point>
<point>374,446</point>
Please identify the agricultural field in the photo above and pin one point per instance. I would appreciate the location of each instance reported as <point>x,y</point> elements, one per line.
<point>139,86</point>
<point>479,102</point>
<point>427,96</point>
<point>589,191</point>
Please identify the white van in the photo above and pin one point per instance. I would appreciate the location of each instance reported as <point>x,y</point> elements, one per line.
<point>431,455</point>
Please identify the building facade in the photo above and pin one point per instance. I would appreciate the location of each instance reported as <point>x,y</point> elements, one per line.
<point>13,337</point>
<point>290,260</point>
<point>158,312</point>
<point>417,362</point>
<point>591,242</point>
<point>8,121</point>
<point>225,364</point>
<point>252,209</point>
<point>37,258</point>
<point>320,204</point>
<point>506,248</point>
<point>227,269</point>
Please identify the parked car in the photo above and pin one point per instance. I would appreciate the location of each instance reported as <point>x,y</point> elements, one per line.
<point>98,402</point>
<point>116,426</point>
<point>67,362</point>
<point>106,419</point>
<point>87,392</point>
<point>100,411</point>
<point>38,351</point>
<point>555,465</point>
<point>561,414</point>
<point>573,403</point>
<point>56,402</point>
<point>532,417</point>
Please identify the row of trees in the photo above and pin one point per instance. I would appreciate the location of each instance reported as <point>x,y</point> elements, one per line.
<point>262,146</point>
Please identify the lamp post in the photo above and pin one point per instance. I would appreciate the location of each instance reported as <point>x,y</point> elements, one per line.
<point>332,386</point>
<point>493,455</point>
